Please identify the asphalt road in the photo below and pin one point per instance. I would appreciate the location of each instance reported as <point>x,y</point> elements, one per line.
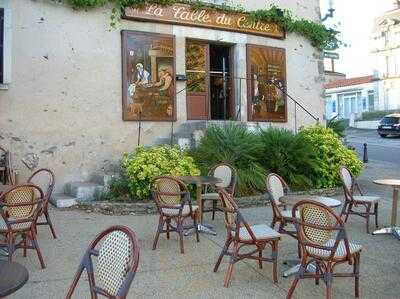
<point>379,149</point>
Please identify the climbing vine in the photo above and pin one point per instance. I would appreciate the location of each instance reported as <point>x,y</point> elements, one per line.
<point>319,35</point>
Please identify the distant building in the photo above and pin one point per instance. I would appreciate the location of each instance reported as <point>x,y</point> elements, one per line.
<point>385,49</point>
<point>351,96</point>
<point>333,76</point>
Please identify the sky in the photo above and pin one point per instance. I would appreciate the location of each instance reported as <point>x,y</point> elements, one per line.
<point>355,20</point>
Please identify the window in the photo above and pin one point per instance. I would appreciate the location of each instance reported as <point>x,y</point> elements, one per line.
<point>148,76</point>
<point>334,106</point>
<point>371,100</point>
<point>1,45</point>
<point>266,69</point>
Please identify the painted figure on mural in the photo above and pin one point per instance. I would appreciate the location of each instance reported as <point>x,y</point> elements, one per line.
<point>165,82</point>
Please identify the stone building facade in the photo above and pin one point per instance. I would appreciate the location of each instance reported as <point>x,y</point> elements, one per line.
<point>61,107</point>
<point>385,51</point>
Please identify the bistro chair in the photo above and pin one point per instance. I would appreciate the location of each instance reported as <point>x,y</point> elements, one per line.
<point>3,177</point>
<point>324,241</point>
<point>228,176</point>
<point>277,187</point>
<point>20,207</point>
<point>46,180</point>
<point>351,188</point>
<point>7,174</point>
<point>111,273</point>
<point>240,234</point>
<point>174,206</point>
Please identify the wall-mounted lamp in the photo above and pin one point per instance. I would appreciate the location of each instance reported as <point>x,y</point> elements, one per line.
<point>330,12</point>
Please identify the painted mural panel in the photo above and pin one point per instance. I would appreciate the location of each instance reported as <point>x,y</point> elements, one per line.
<point>148,74</point>
<point>266,71</point>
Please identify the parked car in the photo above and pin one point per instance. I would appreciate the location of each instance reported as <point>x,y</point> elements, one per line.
<point>389,125</point>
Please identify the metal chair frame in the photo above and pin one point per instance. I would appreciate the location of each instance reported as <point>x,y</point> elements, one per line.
<point>350,202</point>
<point>87,264</point>
<point>28,235</point>
<point>238,243</point>
<point>324,265</point>
<point>45,208</point>
<point>166,220</point>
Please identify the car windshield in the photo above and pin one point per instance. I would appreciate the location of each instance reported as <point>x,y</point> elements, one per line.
<point>389,120</point>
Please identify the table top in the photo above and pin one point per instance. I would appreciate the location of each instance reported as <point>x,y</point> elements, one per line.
<point>12,277</point>
<point>388,182</point>
<point>292,199</point>
<point>200,180</point>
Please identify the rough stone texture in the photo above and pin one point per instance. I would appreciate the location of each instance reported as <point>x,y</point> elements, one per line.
<point>64,102</point>
<point>84,191</point>
<point>148,207</point>
<point>63,201</point>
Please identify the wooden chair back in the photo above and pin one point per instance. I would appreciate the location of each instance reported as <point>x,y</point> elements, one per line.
<point>45,179</point>
<point>116,250</point>
<point>276,187</point>
<point>227,174</point>
<point>319,228</point>
<point>234,220</point>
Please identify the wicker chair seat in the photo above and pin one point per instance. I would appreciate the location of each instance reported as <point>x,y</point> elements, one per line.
<point>210,196</point>
<point>260,231</point>
<point>365,198</point>
<point>340,251</point>
<point>175,212</point>
<point>16,226</point>
<point>288,214</point>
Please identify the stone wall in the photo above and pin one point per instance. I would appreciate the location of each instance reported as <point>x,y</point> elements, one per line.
<point>63,105</point>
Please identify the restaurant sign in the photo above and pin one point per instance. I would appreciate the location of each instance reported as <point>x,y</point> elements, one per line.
<point>183,14</point>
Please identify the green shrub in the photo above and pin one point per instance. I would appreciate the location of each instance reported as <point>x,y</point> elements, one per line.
<point>235,145</point>
<point>330,155</point>
<point>143,165</point>
<point>376,115</point>
<point>338,126</point>
<point>288,155</point>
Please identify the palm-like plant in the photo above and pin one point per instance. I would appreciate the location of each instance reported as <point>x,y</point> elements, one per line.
<point>288,155</point>
<point>236,145</point>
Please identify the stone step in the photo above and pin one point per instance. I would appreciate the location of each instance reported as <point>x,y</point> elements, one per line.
<point>84,191</point>
<point>63,201</point>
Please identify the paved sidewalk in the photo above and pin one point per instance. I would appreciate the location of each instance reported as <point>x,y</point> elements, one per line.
<point>165,273</point>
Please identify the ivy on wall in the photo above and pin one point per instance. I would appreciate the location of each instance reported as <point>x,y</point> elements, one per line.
<point>320,36</point>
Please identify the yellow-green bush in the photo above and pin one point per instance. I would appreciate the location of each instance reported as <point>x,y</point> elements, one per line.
<point>330,154</point>
<point>144,164</point>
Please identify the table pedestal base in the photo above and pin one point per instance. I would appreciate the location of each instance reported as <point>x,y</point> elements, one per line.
<point>395,231</point>
<point>295,268</point>
<point>202,228</point>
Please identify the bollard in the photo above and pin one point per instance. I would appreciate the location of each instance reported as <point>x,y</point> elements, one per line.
<point>365,157</point>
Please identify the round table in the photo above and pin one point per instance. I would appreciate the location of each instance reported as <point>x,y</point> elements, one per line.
<point>395,184</point>
<point>12,277</point>
<point>292,199</point>
<point>201,181</point>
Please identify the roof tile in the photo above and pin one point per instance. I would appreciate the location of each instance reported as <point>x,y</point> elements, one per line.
<point>349,82</point>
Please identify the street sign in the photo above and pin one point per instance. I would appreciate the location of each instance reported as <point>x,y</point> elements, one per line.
<point>331,55</point>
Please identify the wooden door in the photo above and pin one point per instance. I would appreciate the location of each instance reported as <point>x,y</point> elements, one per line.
<point>197,84</point>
